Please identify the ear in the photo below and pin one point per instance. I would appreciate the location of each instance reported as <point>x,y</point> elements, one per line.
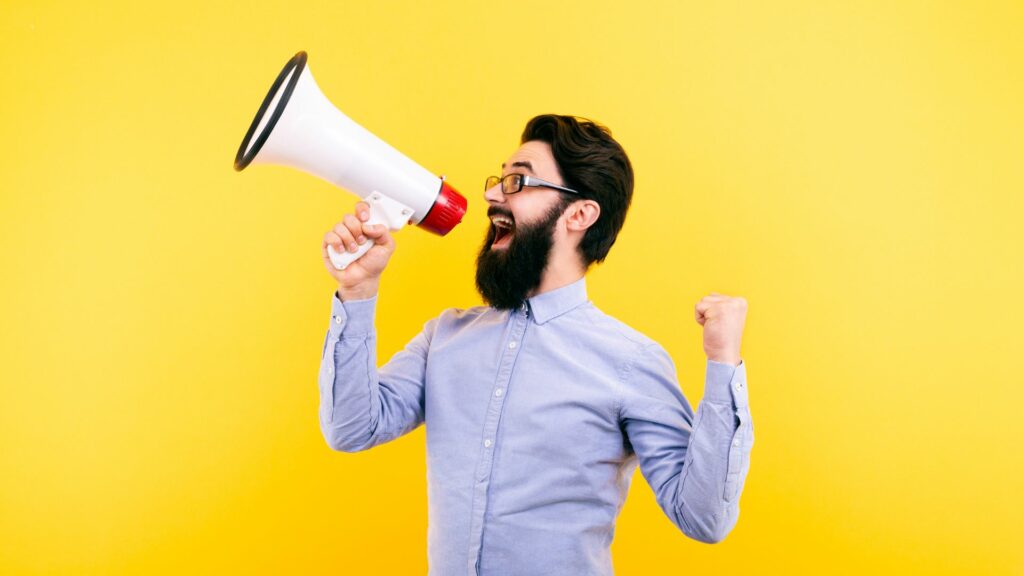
<point>581,215</point>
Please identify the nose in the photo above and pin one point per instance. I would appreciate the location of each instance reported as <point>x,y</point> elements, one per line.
<point>494,194</point>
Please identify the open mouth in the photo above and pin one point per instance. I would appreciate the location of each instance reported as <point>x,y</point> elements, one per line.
<point>504,229</point>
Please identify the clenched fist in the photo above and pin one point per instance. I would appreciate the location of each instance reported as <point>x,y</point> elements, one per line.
<point>360,279</point>
<point>722,318</point>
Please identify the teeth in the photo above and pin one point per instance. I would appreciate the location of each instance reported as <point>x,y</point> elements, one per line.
<point>501,221</point>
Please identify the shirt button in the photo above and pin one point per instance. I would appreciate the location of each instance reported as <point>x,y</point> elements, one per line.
<point>487,443</point>
<point>736,442</point>
<point>511,344</point>
<point>330,369</point>
<point>498,392</point>
<point>337,319</point>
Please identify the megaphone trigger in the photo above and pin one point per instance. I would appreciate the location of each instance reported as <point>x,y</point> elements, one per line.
<point>383,210</point>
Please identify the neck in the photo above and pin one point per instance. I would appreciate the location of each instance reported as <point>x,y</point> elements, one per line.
<point>564,268</point>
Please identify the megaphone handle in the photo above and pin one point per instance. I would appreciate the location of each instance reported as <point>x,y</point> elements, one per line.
<point>383,210</point>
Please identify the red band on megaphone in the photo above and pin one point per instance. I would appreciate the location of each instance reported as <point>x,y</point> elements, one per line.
<point>446,213</point>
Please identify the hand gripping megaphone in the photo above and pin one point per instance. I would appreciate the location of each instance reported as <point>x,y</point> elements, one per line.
<point>298,126</point>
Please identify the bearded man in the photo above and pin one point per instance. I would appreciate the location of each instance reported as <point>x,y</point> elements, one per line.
<point>538,407</point>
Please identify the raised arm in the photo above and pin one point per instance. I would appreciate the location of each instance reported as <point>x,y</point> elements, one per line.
<point>695,466</point>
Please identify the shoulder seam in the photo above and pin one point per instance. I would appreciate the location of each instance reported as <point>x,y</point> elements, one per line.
<point>625,372</point>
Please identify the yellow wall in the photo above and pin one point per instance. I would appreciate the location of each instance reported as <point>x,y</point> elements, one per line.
<point>853,169</point>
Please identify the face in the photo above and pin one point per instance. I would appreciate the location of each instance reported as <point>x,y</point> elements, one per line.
<point>519,239</point>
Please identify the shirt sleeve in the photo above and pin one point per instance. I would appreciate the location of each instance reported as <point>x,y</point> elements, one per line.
<point>696,465</point>
<point>362,406</point>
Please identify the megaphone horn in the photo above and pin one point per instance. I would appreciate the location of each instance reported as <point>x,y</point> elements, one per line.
<point>298,126</point>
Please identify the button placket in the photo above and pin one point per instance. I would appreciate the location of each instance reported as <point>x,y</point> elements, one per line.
<point>493,418</point>
<point>490,433</point>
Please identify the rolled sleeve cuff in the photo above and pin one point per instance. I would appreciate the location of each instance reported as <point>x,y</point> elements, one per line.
<point>352,318</point>
<point>726,383</point>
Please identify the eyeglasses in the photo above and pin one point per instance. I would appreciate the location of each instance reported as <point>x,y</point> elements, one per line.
<point>512,183</point>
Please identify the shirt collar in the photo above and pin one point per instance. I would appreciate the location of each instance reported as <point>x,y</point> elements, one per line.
<point>553,303</point>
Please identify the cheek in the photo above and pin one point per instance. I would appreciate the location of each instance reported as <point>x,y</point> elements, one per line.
<point>523,212</point>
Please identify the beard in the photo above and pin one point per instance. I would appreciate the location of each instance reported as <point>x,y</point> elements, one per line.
<point>504,277</point>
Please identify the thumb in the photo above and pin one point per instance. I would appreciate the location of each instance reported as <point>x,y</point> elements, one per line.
<point>378,233</point>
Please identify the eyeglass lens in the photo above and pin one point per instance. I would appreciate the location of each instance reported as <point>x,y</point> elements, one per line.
<point>510,184</point>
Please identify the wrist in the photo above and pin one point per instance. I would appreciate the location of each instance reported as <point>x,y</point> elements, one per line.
<point>730,360</point>
<point>357,292</point>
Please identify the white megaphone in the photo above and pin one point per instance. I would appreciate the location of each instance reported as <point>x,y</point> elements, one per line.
<point>298,126</point>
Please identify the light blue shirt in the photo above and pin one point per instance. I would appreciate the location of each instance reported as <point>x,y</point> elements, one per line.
<point>535,421</point>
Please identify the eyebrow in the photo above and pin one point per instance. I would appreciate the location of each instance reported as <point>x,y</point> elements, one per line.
<point>520,164</point>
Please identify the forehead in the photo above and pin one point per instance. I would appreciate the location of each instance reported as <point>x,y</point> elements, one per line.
<point>533,157</point>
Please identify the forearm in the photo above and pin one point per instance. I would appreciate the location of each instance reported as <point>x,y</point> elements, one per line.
<point>348,380</point>
<point>717,459</point>
<point>361,405</point>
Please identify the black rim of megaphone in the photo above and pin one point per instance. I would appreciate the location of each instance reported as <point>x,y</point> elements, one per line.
<point>298,63</point>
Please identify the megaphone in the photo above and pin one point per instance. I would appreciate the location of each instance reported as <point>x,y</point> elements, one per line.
<point>298,126</point>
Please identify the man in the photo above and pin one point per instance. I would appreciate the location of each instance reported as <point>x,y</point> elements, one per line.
<point>538,407</point>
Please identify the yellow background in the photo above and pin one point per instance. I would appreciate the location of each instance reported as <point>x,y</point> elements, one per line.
<point>853,169</point>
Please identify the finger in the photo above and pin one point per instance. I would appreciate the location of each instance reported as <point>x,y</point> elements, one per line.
<point>347,239</point>
<point>363,210</point>
<point>703,311</point>
<point>374,230</point>
<point>703,306</point>
<point>379,233</point>
<point>386,240</point>
<point>332,238</point>
<point>355,227</point>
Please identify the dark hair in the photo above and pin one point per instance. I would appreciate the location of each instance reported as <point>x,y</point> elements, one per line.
<point>593,163</point>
